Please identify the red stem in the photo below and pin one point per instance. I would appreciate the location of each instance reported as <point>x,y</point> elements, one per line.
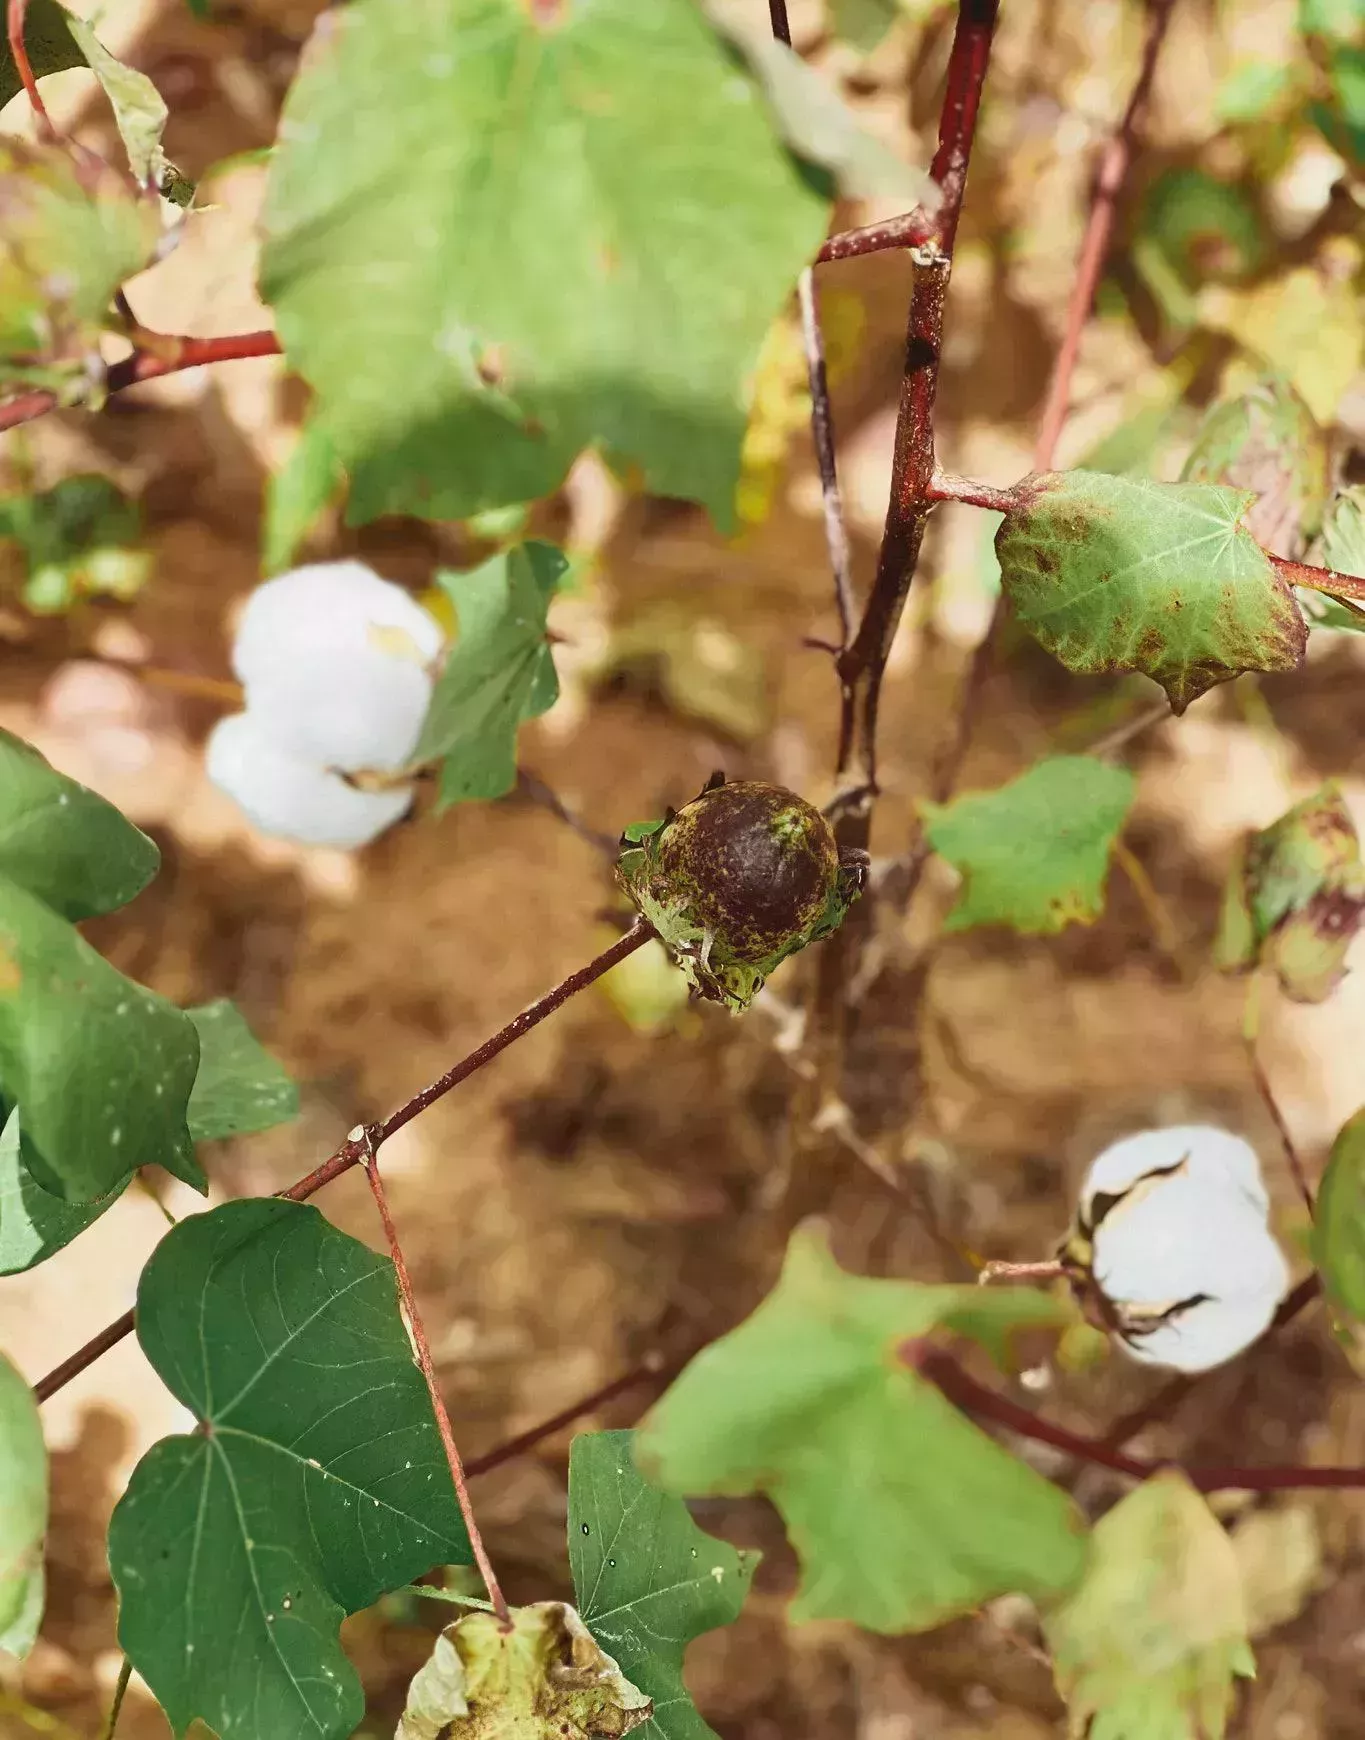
<point>355,1149</point>
<point>1320,579</point>
<point>946,486</point>
<point>652,1370</point>
<point>911,230</point>
<point>15,15</point>
<point>142,365</point>
<point>420,1342</point>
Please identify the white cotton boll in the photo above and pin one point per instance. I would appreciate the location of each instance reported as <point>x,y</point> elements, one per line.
<point>335,661</point>
<point>290,798</point>
<point>1206,1335</point>
<point>1208,1153</point>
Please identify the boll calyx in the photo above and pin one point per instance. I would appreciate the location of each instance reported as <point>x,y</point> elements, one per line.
<point>1172,1252</point>
<point>336,667</point>
<point>736,881</point>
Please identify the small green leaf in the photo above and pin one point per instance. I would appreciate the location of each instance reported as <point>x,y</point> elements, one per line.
<point>1148,1646</point>
<point>1253,89</point>
<point>1204,228</point>
<point>646,1578</point>
<point>79,539</point>
<point>1339,1221</point>
<point>1267,441</point>
<point>498,673</point>
<point>1034,854</point>
<point>23,1512</point>
<point>903,1513</point>
<point>298,494</point>
<point>1118,574</point>
<point>315,1483</point>
<point>1343,532</point>
<point>139,108</point>
<point>62,842</point>
<point>100,1067</point>
<point>49,42</point>
<point>485,251</point>
<point>239,1088</point>
<point>34,1224</point>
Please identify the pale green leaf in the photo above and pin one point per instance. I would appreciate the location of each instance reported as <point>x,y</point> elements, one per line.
<point>1035,853</point>
<point>139,108</point>
<point>23,1512</point>
<point>1118,574</point>
<point>1339,1221</point>
<point>239,1088</point>
<point>297,495</point>
<point>902,1512</point>
<point>486,252</point>
<point>647,1579</point>
<point>35,1224</point>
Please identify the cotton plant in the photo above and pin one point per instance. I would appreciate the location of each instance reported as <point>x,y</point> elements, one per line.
<point>337,667</point>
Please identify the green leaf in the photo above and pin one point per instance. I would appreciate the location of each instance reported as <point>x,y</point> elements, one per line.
<point>1147,1647</point>
<point>498,673</point>
<point>239,1088</point>
<point>903,1513</point>
<point>34,1224</point>
<point>298,494</point>
<point>62,842</point>
<point>1204,228</point>
<point>1267,441</point>
<point>139,108</point>
<point>1337,19</point>
<point>23,1512</point>
<point>864,23</point>
<point>1339,1221</point>
<point>79,539</point>
<point>1253,89</point>
<point>100,1067</point>
<point>486,252</point>
<point>646,1578</point>
<point>315,1483</point>
<point>49,42</point>
<point>1034,854</point>
<point>1118,574</point>
<point>540,1678</point>
<point>1343,532</point>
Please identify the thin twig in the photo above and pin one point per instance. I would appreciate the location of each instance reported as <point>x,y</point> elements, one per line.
<point>947,486</point>
<point>142,365</point>
<point>125,1673</point>
<point>653,1369</point>
<point>777,14</point>
<point>353,1150</point>
<point>536,791</point>
<point>822,433</point>
<point>911,230</point>
<point>1122,735</point>
<point>15,15</point>
<point>1158,913</point>
<point>1328,580</point>
<point>423,1347</point>
<point>1272,1105</point>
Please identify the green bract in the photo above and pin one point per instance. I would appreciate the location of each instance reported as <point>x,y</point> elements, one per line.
<point>735,881</point>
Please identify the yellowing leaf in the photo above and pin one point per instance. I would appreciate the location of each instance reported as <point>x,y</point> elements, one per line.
<point>1305,325</point>
<point>779,406</point>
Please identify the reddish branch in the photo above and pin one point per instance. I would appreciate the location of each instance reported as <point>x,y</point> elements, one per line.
<point>1347,586</point>
<point>355,1150</point>
<point>171,356</point>
<point>14,17</point>
<point>911,230</point>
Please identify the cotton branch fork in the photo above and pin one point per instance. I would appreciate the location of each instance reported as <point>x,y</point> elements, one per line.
<point>355,1150</point>
<point>367,1136</point>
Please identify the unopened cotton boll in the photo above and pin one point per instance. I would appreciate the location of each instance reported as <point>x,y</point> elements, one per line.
<point>336,663</point>
<point>292,798</point>
<point>1180,1248</point>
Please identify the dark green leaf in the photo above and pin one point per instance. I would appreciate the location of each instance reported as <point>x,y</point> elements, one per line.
<point>23,1512</point>
<point>100,1067</point>
<point>62,842</point>
<point>34,1224</point>
<point>485,251</point>
<point>902,1512</point>
<point>50,45</point>
<point>316,1483</point>
<point>1035,853</point>
<point>1339,1221</point>
<point>1204,228</point>
<point>646,1578</point>
<point>1148,1646</point>
<point>1117,574</point>
<point>498,673</point>
<point>239,1088</point>
<point>298,494</point>
<point>1267,441</point>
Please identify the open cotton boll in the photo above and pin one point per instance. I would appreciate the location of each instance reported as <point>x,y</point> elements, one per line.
<point>336,661</point>
<point>291,798</point>
<point>1206,1335</point>
<point>1201,1151</point>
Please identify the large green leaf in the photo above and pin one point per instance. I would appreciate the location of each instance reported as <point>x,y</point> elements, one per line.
<point>315,1483</point>
<point>1034,854</point>
<point>239,1088</point>
<point>100,1067</point>
<point>647,1579</point>
<point>1147,1647</point>
<point>499,671</point>
<point>902,1511</point>
<point>23,1512</point>
<point>63,843</point>
<point>35,1224</point>
<point>1118,574</point>
<point>486,251</point>
<point>1339,1220</point>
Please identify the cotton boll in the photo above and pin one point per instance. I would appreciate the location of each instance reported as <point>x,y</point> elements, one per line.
<point>335,662</point>
<point>290,798</point>
<point>1205,1335</point>
<point>1201,1151</point>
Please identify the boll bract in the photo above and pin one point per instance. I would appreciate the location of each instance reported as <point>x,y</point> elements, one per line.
<point>1172,1236</point>
<point>336,665</point>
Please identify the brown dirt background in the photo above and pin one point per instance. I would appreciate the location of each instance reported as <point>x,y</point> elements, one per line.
<point>599,1195</point>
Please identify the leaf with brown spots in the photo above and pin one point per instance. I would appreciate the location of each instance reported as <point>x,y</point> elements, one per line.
<point>1266,440</point>
<point>1118,574</point>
